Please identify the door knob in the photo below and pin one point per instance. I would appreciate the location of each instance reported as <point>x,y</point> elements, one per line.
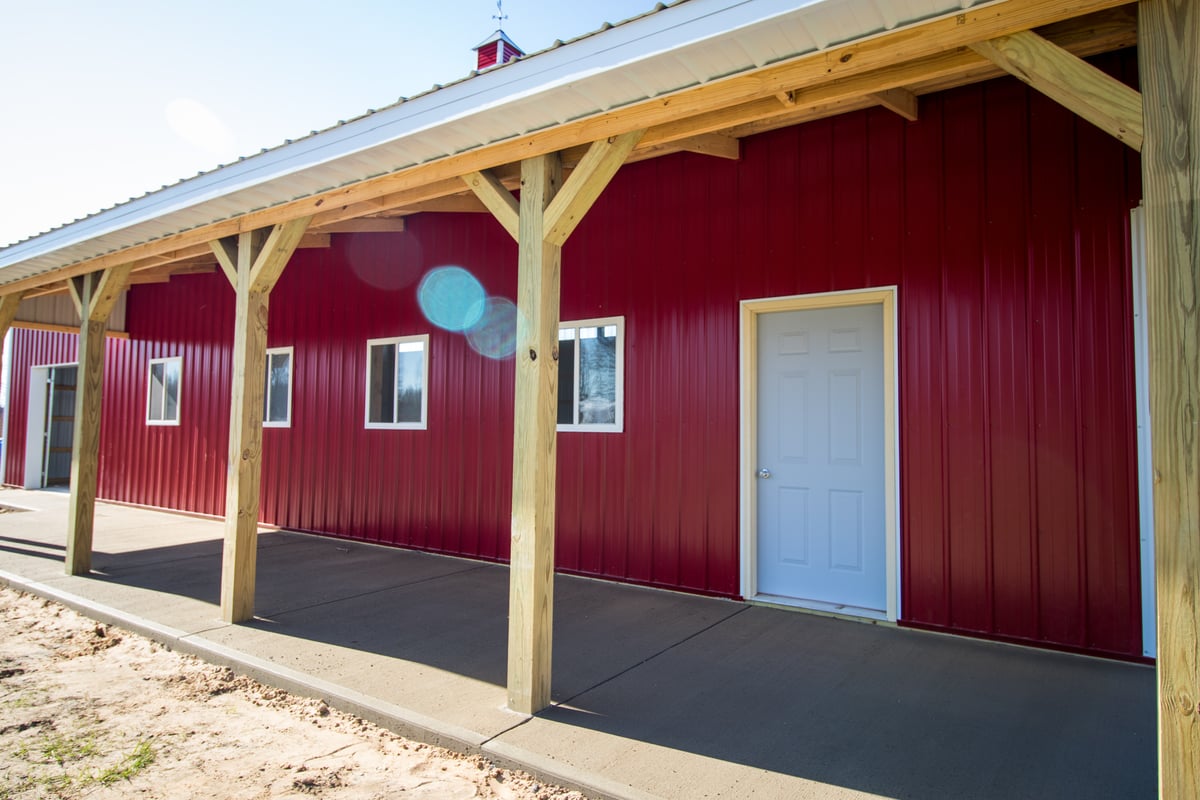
<point>764,473</point>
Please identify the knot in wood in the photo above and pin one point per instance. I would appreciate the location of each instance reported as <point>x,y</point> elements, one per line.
<point>246,455</point>
<point>554,353</point>
<point>532,354</point>
<point>846,57</point>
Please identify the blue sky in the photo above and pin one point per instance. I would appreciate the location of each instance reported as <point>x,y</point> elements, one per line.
<point>103,101</point>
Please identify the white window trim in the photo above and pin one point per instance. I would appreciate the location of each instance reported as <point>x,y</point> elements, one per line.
<point>607,427</point>
<point>398,426</point>
<point>178,400</point>
<point>291,354</point>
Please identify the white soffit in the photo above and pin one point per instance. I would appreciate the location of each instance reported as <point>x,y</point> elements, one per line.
<point>684,45</point>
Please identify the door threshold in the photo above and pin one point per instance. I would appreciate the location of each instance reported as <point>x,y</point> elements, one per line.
<point>839,610</point>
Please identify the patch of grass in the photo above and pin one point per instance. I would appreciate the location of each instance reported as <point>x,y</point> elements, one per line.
<point>62,749</point>
<point>143,755</point>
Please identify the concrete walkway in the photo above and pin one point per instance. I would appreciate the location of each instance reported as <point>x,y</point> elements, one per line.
<point>656,694</point>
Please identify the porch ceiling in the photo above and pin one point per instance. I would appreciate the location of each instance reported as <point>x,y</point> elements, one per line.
<point>709,78</point>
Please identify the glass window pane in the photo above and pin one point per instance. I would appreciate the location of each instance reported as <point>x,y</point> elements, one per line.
<point>410,380</point>
<point>171,400</point>
<point>597,376</point>
<point>382,371</point>
<point>279,378</point>
<point>566,380</point>
<point>155,403</point>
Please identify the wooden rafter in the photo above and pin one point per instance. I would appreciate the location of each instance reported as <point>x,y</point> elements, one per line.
<point>712,144</point>
<point>364,225</point>
<point>466,203</point>
<point>899,100</point>
<point>1069,80</point>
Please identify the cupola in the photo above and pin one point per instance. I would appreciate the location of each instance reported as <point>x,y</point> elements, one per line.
<point>495,50</point>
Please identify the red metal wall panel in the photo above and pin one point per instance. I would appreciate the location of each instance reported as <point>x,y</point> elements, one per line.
<point>1001,218</point>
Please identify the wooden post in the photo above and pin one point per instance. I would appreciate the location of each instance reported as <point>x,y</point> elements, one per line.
<point>95,295</point>
<point>531,574</point>
<point>1169,63</point>
<point>541,222</point>
<point>253,262</point>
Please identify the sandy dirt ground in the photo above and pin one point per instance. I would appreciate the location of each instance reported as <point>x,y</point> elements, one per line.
<point>91,711</point>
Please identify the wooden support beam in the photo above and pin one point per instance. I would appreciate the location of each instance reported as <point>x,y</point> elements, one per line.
<point>595,170</point>
<point>315,241</point>
<point>8,311</point>
<point>95,295</point>
<point>899,100</point>
<point>712,144</point>
<point>226,251</point>
<point>466,203</point>
<point>366,225</point>
<point>1089,92</point>
<point>498,199</point>
<point>253,263</point>
<point>57,328</point>
<point>1169,66</point>
<point>58,287</point>
<point>531,573</point>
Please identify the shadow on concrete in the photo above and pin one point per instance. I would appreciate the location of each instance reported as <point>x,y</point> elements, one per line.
<point>892,712</point>
<point>25,551</point>
<point>34,543</point>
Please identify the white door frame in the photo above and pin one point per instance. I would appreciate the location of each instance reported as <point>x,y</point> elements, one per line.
<point>748,493</point>
<point>1145,476</point>
<point>35,422</point>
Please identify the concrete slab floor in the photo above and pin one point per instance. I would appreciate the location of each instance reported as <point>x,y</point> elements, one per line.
<point>657,694</point>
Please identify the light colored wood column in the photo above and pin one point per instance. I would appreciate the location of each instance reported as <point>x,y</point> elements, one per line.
<point>531,573</point>
<point>252,262</point>
<point>541,222</point>
<point>1169,64</point>
<point>95,295</point>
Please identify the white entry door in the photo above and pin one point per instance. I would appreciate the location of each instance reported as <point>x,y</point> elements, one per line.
<point>822,516</point>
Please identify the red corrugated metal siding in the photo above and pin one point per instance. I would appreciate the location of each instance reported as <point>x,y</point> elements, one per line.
<point>1002,219</point>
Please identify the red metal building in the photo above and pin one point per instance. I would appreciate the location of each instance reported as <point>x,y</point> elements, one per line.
<point>1002,221</point>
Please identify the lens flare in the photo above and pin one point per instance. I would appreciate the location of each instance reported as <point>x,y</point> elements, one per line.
<point>495,334</point>
<point>452,298</point>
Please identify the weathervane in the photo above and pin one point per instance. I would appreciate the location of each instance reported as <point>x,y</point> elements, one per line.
<point>500,16</point>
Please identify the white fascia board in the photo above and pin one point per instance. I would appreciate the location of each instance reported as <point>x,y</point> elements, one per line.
<point>545,75</point>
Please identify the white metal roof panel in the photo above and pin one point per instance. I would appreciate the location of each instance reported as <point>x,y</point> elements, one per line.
<point>683,45</point>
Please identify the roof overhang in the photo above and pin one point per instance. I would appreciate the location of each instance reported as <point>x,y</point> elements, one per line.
<point>694,69</point>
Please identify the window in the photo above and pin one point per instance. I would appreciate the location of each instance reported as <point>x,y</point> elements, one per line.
<point>591,367</point>
<point>162,391</point>
<point>397,373</point>
<point>277,394</point>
